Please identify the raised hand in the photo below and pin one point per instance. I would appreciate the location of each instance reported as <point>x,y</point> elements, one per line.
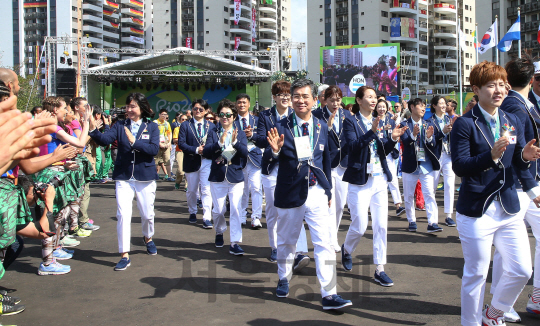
<point>398,132</point>
<point>429,132</point>
<point>235,134</point>
<point>9,104</point>
<point>500,146</point>
<point>375,124</point>
<point>129,135</point>
<point>531,152</point>
<point>43,115</point>
<point>447,128</point>
<point>331,119</point>
<point>248,131</point>
<point>64,152</point>
<point>416,130</point>
<point>223,137</point>
<point>275,140</point>
<point>200,149</point>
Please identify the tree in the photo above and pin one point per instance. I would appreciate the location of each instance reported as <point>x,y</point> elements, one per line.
<point>25,97</point>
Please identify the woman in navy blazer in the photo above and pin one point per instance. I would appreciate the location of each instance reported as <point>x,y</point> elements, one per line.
<point>226,175</point>
<point>134,171</point>
<point>368,175</point>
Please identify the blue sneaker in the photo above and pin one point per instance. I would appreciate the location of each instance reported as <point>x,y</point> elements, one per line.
<point>192,218</point>
<point>400,211</point>
<point>54,268</point>
<point>383,279</point>
<point>449,222</point>
<point>300,262</point>
<point>273,256</point>
<point>236,250</point>
<point>282,290</point>
<point>440,186</point>
<point>412,227</point>
<point>150,247</point>
<point>59,254</point>
<point>219,240</point>
<point>433,228</point>
<point>199,203</point>
<point>346,259</point>
<point>122,264</point>
<point>71,252</point>
<point>170,179</point>
<point>207,224</point>
<point>336,302</point>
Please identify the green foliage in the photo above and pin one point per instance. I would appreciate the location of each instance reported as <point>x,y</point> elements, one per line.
<point>24,93</point>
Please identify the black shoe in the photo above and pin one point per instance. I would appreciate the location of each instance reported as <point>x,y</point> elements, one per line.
<point>400,211</point>
<point>192,218</point>
<point>199,203</point>
<point>219,240</point>
<point>8,309</point>
<point>6,299</point>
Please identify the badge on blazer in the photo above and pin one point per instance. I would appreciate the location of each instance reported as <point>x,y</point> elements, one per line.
<point>321,147</point>
<point>145,136</point>
<point>512,139</point>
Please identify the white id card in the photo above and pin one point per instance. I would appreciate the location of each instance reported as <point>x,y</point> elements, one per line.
<point>374,166</point>
<point>145,136</point>
<point>303,148</point>
<point>229,153</point>
<point>446,148</point>
<point>420,154</point>
<point>203,140</point>
<point>251,146</point>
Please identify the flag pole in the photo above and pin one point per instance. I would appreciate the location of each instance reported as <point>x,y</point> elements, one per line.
<point>519,41</point>
<point>476,41</point>
<point>459,69</point>
<point>496,39</point>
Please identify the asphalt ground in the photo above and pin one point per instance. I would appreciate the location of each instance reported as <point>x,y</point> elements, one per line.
<point>191,282</point>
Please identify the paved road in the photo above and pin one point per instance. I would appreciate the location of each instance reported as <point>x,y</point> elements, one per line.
<point>190,282</point>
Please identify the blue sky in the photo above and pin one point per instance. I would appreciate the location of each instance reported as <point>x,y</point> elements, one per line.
<point>298,25</point>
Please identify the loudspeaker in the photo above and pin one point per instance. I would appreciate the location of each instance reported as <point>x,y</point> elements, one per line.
<point>66,82</point>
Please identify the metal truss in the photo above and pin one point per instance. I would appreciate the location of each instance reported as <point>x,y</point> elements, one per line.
<point>50,59</point>
<point>287,46</point>
<point>176,73</point>
<point>178,51</point>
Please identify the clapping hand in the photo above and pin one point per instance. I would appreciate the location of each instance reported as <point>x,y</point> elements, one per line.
<point>531,152</point>
<point>429,132</point>
<point>375,124</point>
<point>398,132</point>
<point>234,135</point>
<point>129,135</point>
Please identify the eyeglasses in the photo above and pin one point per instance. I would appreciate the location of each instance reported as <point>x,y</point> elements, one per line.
<point>225,115</point>
<point>284,96</point>
<point>195,109</point>
<point>537,78</point>
<point>298,97</point>
<point>183,119</point>
<point>209,117</point>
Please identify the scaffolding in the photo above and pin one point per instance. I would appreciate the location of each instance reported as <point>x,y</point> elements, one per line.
<point>287,47</point>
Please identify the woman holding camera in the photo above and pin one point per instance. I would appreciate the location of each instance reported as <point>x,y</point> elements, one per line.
<point>135,171</point>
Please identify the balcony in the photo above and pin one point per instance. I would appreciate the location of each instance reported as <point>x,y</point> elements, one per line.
<point>268,30</point>
<point>93,29</point>
<point>92,18</point>
<point>35,26</point>
<point>446,60</point>
<point>108,4</point>
<point>246,18</point>
<point>269,19</point>
<point>403,8</point>
<point>92,7</point>
<point>342,25</point>
<point>188,4</point>
<point>240,29</point>
<point>445,46</point>
<point>267,8</point>
<point>188,28</point>
<point>246,41</point>
<point>444,33</point>
<point>342,11</point>
<point>267,39</point>
<point>444,8</point>
<point>404,39</point>
<point>132,12</point>
<point>445,21</point>
<point>34,37</point>
<point>188,16</point>
<point>448,72</point>
<point>422,27</point>
<point>137,41</point>
<point>111,34</point>
<point>35,15</point>
<point>133,31</point>
<point>133,4</point>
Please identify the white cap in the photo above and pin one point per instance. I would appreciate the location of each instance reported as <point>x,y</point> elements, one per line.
<point>323,87</point>
<point>537,68</point>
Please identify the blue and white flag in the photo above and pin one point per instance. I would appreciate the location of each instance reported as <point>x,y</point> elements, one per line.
<point>513,34</point>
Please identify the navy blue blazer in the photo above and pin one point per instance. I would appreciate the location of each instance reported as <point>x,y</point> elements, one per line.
<point>388,133</point>
<point>358,137</point>
<point>135,161</point>
<point>336,141</point>
<point>266,121</point>
<point>409,164</point>
<point>483,179</point>
<point>438,134</point>
<point>188,141</point>
<point>292,182</point>
<point>233,171</point>
<point>514,104</point>
<point>255,155</point>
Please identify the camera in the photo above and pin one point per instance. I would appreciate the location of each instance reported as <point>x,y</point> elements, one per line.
<point>42,187</point>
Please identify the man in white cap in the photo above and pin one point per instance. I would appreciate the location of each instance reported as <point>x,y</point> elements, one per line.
<point>320,94</point>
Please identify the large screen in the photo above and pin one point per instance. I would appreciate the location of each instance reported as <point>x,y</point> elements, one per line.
<point>353,66</point>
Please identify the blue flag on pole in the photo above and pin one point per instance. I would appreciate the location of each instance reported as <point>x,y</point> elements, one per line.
<point>513,34</point>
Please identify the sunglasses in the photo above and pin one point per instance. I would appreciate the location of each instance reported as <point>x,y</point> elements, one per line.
<point>225,115</point>
<point>198,109</point>
<point>537,78</point>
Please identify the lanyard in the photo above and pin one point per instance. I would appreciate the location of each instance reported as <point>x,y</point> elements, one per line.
<point>298,133</point>
<point>203,129</point>
<point>228,138</point>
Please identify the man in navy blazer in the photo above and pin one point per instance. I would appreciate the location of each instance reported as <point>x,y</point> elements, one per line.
<point>303,191</point>
<point>419,163</point>
<point>520,74</point>
<point>191,140</point>
<point>487,146</point>
<point>334,116</point>
<point>268,119</point>
<point>252,168</point>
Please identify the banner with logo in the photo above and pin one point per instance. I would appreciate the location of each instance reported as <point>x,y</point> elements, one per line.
<point>236,11</point>
<point>395,27</point>
<point>253,24</point>
<point>404,26</point>
<point>411,28</point>
<point>189,42</point>
<point>136,39</point>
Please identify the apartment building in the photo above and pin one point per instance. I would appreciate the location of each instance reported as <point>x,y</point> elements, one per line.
<point>506,11</point>
<point>210,25</point>
<point>429,56</point>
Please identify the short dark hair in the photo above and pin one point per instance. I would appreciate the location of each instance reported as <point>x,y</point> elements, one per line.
<point>142,102</point>
<point>96,109</point>
<point>303,82</point>
<point>163,110</point>
<point>331,91</point>
<point>410,104</point>
<point>76,101</point>
<point>280,87</point>
<point>34,109</point>
<point>520,71</point>
<point>454,102</point>
<point>418,101</point>
<point>243,95</point>
<point>385,103</point>
<point>201,102</point>
<point>475,98</point>
<point>434,101</point>
<point>360,92</point>
<point>226,103</point>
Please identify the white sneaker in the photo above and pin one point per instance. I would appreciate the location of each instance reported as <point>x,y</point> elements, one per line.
<point>256,223</point>
<point>486,321</point>
<point>512,316</point>
<point>533,308</point>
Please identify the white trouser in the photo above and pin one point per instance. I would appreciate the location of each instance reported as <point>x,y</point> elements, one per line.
<point>271,213</point>
<point>509,235</point>
<point>220,190</point>
<point>289,224</point>
<point>372,196</point>
<point>409,184</point>
<point>194,179</point>
<point>145,191</point>
<point>173,156</point>
<point>252,184</point>
<point>449,182</point>
<point>394,184</point>
<point>532,215</point>
<point>339,199</point>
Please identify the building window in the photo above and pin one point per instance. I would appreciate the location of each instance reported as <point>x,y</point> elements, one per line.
<point>362,42</point>
<point>384,13</point>
<point>226,21</point>
<point>225,9</point>
<point>467,67</point>
<point>362,13</point>
<point>362,28</point>
<point>226,33</point>
<point>384,28</point>
<point>385,1</point>
<point>226,45</point>
<point>207,44</point>
<point>320,20</point>
<point>321,33</point>
<point>207,32</point>
<point>384,41</point>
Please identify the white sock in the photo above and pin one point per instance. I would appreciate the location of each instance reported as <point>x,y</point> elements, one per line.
<point>380,268</point>
<point>449,215</point>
